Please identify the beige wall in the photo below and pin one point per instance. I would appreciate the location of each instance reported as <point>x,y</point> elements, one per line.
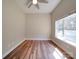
<point>65,8</point>
<point>16,25</point>
<point>38,26</point>
<point>13,25</point>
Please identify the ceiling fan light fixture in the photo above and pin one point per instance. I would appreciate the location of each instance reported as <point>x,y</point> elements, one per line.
<point>34,1</point>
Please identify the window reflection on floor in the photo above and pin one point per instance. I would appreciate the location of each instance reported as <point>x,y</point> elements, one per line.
<point>58,55</point>
<point>55,53</point>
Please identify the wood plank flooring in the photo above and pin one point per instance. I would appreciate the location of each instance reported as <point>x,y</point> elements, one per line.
<point>38,49</point>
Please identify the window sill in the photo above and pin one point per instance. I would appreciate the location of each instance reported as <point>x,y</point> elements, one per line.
<point>66,41</point>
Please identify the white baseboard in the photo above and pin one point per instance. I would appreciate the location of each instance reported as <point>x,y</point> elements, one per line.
<point>21,42</point>
<point>66,47</point>
<point>36,38</point>
<point>12,48</point>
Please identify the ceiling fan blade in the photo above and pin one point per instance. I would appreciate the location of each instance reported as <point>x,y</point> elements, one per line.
<point>30,5</point>
<point>43,1</point>
<point>28,1</point>
<point>37,5</point>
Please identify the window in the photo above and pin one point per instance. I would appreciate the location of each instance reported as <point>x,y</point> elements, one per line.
<point>66,29</point>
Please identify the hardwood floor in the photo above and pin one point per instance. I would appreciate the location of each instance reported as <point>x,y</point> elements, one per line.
<point>38,49</point>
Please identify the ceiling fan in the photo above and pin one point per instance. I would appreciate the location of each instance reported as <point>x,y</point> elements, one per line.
<point>29,3</point>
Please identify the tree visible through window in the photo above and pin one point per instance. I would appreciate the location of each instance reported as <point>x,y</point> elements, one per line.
<point>66,28</point>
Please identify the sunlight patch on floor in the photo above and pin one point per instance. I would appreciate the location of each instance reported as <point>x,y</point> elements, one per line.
<point>58,55</point>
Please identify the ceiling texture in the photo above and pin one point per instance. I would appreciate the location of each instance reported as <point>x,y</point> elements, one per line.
<point>43,7</point>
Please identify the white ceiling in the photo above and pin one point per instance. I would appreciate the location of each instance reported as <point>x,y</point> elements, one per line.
<point>44,8</point>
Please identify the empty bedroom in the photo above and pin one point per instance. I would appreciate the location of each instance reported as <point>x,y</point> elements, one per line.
<point>39,29</point>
